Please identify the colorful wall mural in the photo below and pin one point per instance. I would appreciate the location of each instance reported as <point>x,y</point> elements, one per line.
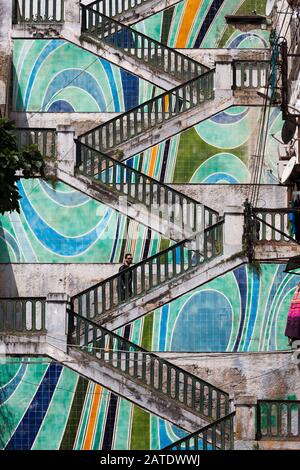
<point>201,24</point>
<point>57,76</point>
<point>242,310</point>
<point>218,150</point>
<point>239,311</point>
<point>47,406</point>
<point>62,225</point>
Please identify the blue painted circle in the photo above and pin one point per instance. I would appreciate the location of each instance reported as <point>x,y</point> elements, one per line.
<point>204,323</point>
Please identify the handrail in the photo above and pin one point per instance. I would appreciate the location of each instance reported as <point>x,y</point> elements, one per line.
<point>160,198</point>
<point>278,419</point>
<point>149,178</point>
<point>167,94</point>
<point>147,368</point>
<point>166,251</point>
<point>43,137</point>
<point>46,11</point>
<point>274,223</point>
<point>202,435</point>
<point>90,14</point>
<point>252,73</point>
<point>146,116</point>
<point>23,314</point>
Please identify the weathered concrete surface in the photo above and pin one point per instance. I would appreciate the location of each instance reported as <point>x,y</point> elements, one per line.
<point>5,54</point>
<point>265,375</point>
<point>217,195</point>
<point>266,445</point>
<point>209,57</point>
<point>82,122</point>
<point>53,30</point>
<point>272,251</point>
<point>38,279</point>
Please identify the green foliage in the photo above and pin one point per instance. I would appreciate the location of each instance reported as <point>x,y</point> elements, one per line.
<point>27,161</point>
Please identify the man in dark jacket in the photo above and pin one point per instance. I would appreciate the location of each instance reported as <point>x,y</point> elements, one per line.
<point>125,280</point>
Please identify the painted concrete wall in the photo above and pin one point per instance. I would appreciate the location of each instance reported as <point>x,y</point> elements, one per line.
<point>64,226</point>
<point>61,225</point>
<point>18,279</point>
<point>38,396</point>
<point>57,76</point>
<point>194,24</point>
<point>218,150</point>
<point>271,375</point>
<point>240,311</point>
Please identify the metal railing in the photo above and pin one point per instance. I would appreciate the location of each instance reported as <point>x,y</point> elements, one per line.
<point>113,8</point>
<point>38,11</point>
<point>149,114</point>
<point>143,48</point>
<point>150,273</point>
<point>278,419</point>
<point>274,224</point>
<point>148,369</point>
<point>22,314</point>
<point>250,74</point>
<point>216,436</point>
<point>44,138</point>
<point>161,200</point>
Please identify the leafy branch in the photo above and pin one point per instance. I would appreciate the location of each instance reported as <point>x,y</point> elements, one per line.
<point>15,163</point>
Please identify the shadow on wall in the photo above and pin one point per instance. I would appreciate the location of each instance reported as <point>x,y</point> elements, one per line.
<point>9,251</point>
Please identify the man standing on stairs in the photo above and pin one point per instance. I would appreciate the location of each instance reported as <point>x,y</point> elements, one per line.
<point>125,280</point>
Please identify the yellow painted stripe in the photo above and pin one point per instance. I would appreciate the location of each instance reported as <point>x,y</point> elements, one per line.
<point>167,103</point>
<point>91,425</point>
<point>190,13</point>
<point>152,160</point>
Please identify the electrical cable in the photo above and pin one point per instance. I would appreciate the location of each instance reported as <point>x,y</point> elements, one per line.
<point>256,174</point>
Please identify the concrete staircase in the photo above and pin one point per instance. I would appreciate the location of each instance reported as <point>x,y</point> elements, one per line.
<point>130,12</point>
<point>143,377</point>
<point>102,304</point>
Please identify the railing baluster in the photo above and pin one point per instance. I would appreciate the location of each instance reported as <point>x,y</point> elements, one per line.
<point>54,10</point>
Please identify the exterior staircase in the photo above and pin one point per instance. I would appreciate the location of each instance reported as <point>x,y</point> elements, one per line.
<point>130,371</point>
<point>182,398</point>
<point>157,280</point>
<point>129,12</point>
<point>197,256</point>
